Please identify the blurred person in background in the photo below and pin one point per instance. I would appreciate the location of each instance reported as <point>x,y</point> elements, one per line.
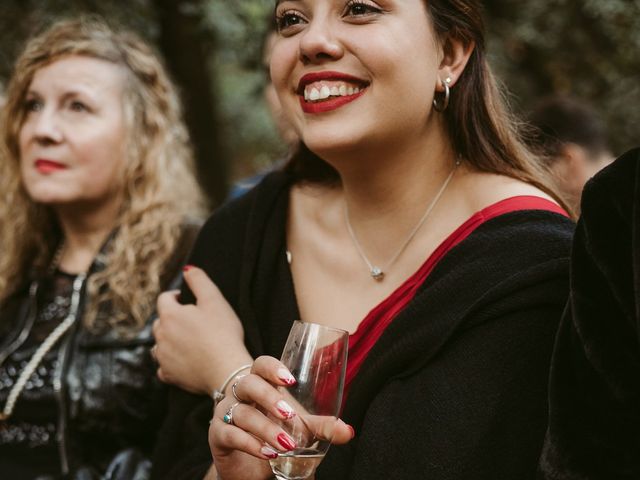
<point>98,196</point>
<point>572,138</point>
<point>285,130</point>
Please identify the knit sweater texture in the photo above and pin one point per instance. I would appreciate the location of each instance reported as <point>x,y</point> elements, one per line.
<point>455,388</point>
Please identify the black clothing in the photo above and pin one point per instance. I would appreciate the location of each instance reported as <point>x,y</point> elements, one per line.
<point>456,386</point>
<point>594,415</point>
<point>94,395</point>
<point>28,442</point>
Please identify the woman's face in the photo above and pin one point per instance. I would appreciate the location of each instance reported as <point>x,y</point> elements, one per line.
<point>355,71</point>
<point>72,139</point>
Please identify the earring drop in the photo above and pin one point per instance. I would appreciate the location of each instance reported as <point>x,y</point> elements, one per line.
<point>441,107</point>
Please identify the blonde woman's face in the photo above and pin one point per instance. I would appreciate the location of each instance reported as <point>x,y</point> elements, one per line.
<point>72,139</point>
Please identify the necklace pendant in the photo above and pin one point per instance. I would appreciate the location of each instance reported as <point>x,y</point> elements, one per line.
<point>377,274</point>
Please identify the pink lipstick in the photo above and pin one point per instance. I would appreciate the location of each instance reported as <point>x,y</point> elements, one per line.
<point>46,167</point>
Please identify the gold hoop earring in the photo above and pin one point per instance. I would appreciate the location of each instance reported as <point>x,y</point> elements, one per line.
<point>445,101</point>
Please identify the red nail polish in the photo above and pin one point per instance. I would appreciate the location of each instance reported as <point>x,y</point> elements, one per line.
<point>186,268</point>
<point>269,452</point>
<point>353,432</point>
<point>286,441</point>
<point>286,377</point>
<point>288,415</point>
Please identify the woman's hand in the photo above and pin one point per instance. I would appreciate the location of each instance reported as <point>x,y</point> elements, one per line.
<point>241,448</point>
<point>198,346</point>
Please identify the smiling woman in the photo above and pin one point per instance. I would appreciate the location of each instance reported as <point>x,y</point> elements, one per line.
<point>99,197</point>
<point>406,217</point>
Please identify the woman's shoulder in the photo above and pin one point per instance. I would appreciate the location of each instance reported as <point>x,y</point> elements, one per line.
<point>514,231</point>
<point>481,189</point>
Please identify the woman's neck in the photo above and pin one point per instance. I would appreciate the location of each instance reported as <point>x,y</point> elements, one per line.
<point>384,195</point>
<point>386,182</point>
<point>83,235</point>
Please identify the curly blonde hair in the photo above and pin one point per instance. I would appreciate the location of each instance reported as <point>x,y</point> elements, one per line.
<point>160,190</point>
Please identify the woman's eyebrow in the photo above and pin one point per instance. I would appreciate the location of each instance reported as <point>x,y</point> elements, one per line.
<point>278,2</point>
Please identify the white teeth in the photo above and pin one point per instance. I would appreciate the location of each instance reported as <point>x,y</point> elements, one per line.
<point>325,92</point>
<point>322,92</point>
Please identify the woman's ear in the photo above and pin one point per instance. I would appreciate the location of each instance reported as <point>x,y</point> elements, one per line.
<point>456,54</point>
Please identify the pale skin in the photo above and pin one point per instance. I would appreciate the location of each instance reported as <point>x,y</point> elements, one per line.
<point>390,167</point>
<point>72,151</point>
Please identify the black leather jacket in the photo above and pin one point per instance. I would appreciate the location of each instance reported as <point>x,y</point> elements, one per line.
<point>110,402</point>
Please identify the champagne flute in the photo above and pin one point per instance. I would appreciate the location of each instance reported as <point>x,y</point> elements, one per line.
<point>316,355</point>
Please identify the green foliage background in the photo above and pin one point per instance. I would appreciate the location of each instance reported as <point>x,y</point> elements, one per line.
<point>586,48</point>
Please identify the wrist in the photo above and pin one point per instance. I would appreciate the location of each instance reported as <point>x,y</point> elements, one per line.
<point>224,386</point>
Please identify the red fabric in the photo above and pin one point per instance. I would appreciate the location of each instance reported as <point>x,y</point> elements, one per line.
<point>374,324</point>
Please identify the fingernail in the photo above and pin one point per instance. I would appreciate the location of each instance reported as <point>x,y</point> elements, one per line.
<point>186,268</point>
<point>286,441</point>
<point>285,376</point>
<point>285,409</point>
<point>268,452</point>
<point>353,432</point>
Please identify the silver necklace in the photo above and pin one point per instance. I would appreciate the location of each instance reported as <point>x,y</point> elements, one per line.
<point>48,343</point>
<point>376,272</point>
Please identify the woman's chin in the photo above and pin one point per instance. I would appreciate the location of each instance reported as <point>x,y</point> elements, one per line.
<point>327,146</point>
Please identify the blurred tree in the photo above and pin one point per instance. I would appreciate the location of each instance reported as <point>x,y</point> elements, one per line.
<point>188,45</point>
<point>586,48</point>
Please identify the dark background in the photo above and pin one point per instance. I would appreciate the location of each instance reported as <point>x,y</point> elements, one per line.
<point>589,49</point>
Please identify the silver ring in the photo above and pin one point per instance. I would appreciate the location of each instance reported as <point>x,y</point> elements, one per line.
<point>228,416</point>
<point>233,391</point>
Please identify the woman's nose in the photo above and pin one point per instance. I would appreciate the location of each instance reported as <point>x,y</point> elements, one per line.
<point>45,126</point>
<point>319,43</point>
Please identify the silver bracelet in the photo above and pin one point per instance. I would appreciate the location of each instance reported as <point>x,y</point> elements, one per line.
<point>219,394</point>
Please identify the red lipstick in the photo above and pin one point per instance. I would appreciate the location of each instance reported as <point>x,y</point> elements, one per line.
<point>328,75</point>
<point>328,104</point>
<point>331,103</point>
<point>46,167</point>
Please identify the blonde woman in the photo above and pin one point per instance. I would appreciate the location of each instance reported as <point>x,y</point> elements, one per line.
<point>96,175</point>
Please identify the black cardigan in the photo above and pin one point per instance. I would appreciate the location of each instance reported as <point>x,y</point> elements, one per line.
<point>594,422</point>
<point>456,386</point>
